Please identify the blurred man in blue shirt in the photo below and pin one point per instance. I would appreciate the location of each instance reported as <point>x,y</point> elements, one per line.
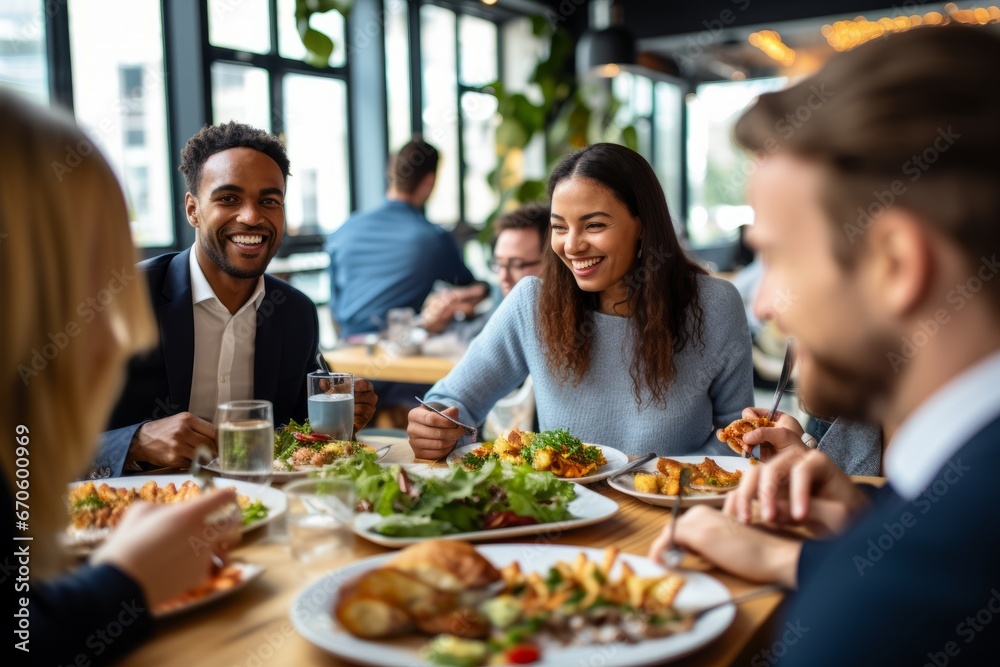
<point>390,256</point>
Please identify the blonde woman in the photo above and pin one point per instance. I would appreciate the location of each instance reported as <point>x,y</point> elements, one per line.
<point>73,313</point>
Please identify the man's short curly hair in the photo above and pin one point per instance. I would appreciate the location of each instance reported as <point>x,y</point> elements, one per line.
<point>213,139</point>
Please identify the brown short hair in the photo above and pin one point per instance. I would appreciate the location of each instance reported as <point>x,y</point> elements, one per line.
<point>412,164</point>
<point>535,216</point>
<point>911,120</point>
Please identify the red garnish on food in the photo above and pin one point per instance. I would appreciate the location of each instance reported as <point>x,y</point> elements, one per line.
<point>311,437</point>
<point>522,654</point>
<point>506,519</point>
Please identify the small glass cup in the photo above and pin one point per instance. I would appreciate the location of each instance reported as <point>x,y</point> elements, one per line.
<point>331,404</point>
<point>399,324</point>
<point>246,440</point>
<point>319,517</point>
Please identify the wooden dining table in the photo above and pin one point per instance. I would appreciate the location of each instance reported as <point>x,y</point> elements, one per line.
<point>252,628</point>
<point>385,365</point>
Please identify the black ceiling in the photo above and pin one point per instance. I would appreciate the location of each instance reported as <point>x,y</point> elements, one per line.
<point>648,19</point>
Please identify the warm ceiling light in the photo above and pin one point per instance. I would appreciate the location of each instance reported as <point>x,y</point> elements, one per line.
<point>489,2</point>
<point>610,70</point>
<point>770,43</point>
<point>845,35</point>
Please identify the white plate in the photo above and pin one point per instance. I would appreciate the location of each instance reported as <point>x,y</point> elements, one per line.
<point>615,459</point>
<point>587,508</point>
<point>248,572</point>
<point>273,499</point>
<point>312,618</point>
<point>625,483</point>
<point>282,476</point>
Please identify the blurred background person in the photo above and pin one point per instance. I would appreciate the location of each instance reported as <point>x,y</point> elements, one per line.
<point>628,342</point>
<point>518,247</point>
<point>390,256</point>
<point>65,241</point>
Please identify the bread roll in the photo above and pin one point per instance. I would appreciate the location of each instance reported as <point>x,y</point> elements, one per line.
<point>447,565</point>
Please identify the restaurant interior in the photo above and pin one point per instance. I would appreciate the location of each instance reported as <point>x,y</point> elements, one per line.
<point>331,568</point>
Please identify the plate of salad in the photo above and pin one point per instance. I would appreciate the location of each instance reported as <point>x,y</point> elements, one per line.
<point>557,451</point>
<point>298,451</point>
<point>497,501</point>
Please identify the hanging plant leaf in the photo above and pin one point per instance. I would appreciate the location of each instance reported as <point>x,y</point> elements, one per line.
<point>530,191</point>
<point>630,137</point>
<point>318,47</point>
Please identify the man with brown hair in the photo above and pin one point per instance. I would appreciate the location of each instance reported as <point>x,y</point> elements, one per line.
<point>878,219</point>
<point>390,257</point>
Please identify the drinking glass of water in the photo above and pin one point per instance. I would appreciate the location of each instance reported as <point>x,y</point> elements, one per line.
<point>331,404</point>
<point>320,512</point>
<point>246,440</point>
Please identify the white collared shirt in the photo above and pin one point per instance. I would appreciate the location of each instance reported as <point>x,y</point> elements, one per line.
<point>223,346</point>
<point>940,426</point>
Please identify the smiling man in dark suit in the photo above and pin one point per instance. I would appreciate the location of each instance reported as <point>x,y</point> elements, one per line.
<point>877,215</point>
<point>227,330</point>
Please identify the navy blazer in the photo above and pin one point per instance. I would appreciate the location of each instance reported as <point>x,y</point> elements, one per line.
<point>913,583</point>
<point>159,382</point>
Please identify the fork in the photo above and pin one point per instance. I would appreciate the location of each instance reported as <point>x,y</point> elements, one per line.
<point>787,365</point>
<point>770,589</point>
<point>206,482</point>
<point>673,555</point>
<point>470,430</point>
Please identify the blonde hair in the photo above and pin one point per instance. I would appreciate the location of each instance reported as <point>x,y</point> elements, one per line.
<point>75,309</point>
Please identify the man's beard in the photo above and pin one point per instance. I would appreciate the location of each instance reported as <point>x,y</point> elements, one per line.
<point>216,253</point>
<point>854,390</point>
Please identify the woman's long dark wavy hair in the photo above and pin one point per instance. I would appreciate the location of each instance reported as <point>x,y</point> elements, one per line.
<point>662,286</point>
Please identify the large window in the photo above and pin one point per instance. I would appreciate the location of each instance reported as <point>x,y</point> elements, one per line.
<point>259,78</point>
<point>119,100</point>
<point>667,145</point>
<point>459,55</point>
<point>22,49</point>
<point>397,73</point>
<point>717,169</point>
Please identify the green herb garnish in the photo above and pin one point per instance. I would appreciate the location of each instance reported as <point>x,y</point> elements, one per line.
<point>554,579</point>
<point>89,503</point>
<point>254,512</point>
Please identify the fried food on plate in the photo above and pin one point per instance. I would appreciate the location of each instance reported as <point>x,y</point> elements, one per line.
<point>427,586</point>
<point>733,434</point>
<point>555,451</point>
<point>673,477</point>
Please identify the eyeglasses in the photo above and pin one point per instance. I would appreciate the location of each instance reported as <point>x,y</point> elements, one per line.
<point>513,265</point>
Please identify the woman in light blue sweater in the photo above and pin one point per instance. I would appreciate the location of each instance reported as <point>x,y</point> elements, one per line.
<point>628,342</point>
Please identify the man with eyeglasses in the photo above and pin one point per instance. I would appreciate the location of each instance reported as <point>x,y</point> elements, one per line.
<point>517,252</point>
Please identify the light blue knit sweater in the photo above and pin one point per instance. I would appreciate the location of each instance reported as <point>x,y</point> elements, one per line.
<point>712,386</point>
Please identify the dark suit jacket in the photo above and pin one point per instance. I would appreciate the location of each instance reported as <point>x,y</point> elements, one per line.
<point>159,382</point>
<point>913,583</point>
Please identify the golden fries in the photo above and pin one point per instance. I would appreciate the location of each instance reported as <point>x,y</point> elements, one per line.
<point>583,583</point>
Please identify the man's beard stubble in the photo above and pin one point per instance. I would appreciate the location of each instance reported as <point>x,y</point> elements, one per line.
<point>856,390</point>
<point>211,247</point>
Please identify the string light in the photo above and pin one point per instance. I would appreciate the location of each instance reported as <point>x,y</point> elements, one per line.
<point>847,34</point>
<point>770,43</point>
